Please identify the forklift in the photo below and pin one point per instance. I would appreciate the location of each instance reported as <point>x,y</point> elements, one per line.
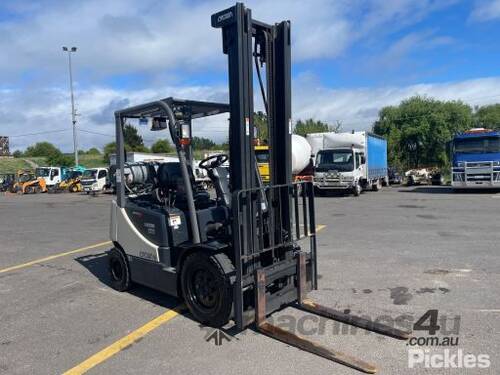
<point>250,250</point>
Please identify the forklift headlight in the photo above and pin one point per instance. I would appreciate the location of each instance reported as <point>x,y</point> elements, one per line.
<point>460,164</point>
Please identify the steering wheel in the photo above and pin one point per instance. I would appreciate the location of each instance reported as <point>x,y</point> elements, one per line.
<point>213,161</point>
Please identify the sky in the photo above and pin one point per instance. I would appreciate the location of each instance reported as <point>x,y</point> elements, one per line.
<point>350,59</point>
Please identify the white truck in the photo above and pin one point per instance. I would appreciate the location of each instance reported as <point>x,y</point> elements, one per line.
<point>350,162</point>
<point>52,175</point>
<point>94,180</point>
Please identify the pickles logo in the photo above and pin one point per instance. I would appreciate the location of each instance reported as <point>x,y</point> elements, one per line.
<point>446,359</point>
<point>439,335</point>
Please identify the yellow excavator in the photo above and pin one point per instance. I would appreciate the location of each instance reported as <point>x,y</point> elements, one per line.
<point>27,183</point>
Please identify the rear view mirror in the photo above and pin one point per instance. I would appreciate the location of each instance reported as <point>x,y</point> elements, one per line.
<point>363,160</point>
<point>159,123</point>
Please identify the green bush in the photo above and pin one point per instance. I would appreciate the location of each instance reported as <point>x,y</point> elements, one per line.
<point>162,146</point>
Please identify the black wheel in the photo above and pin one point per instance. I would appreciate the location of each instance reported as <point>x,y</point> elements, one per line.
<point>357,190</point>
<point>376,186</point>
<point>119,270</point>
<point>206,287</point>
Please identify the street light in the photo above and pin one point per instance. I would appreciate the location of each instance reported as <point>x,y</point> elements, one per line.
<point>73,113</point>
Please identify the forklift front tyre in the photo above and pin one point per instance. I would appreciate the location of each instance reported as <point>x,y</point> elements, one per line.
<point>206,287</point>
<point>119,270</point>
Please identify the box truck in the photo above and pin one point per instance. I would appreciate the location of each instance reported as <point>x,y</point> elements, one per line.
<point>350,162</point>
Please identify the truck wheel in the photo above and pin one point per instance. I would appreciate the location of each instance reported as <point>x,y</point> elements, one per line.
<point>357,190</point>
<point>119,270</point>
<point>206,287</point>
<point>376,186</point>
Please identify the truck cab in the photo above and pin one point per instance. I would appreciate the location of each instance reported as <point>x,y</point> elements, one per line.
<point>52,175</point>
<point>476,159</point>
<point>94,180</point>
<point>349,162</point>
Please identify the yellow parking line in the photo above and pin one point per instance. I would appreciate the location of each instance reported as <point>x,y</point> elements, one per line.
<point>320,227</point>
<point>55,256</point>
<point>124,342</point>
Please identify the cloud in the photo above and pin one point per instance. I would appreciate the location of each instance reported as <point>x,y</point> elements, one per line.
<point>159,38</point>
<point>358,108</point>
<point>49,109</point>
<point>486,10</point>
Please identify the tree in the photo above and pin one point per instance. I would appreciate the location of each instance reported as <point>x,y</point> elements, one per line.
<point>201,143</point>
<point>42,149</point>
<point>162,146</point>
<point>17,154</point>
<point>312,126</point>
<point>260,122</point>
<point>93,151</point>
<point>418,129</point>
<point>132,138</point>
<point>60,160</point>
<point>488,116</point>
<point>109,149</point>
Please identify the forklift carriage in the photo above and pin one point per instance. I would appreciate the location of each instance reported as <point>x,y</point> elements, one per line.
<point>251,249</point>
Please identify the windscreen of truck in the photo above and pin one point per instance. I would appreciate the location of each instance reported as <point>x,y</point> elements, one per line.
<point>340,160</point>
<point>477,145</point>
<point>42,172</point>
<point>89,174</point>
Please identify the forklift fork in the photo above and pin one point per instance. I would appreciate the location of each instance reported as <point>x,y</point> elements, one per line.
<point>308,305</point>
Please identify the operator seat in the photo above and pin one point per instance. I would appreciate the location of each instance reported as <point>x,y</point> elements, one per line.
<point>171,183</point>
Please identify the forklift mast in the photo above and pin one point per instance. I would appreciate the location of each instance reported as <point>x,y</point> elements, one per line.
<point>245,39</point>
<point>264,233</point>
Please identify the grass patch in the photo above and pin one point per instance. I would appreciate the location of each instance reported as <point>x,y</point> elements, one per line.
<point>92,161</point>
<point>12,165</point>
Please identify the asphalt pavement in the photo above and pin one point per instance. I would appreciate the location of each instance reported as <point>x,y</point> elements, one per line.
<point>390,256</point>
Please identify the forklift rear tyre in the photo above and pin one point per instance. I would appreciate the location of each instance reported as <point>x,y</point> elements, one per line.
<point>119,270</point>
<point>206,287</point>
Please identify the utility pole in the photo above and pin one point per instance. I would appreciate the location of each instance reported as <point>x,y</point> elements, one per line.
<point>73,113</point>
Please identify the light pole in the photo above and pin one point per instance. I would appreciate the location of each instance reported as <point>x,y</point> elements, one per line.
<point>73,113</point>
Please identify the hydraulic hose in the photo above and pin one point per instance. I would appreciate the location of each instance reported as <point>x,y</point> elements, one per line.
<point>185,173</point>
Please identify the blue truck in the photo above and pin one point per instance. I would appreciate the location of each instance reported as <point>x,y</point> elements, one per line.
<point>476,159</point>
<point>350,162</point>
